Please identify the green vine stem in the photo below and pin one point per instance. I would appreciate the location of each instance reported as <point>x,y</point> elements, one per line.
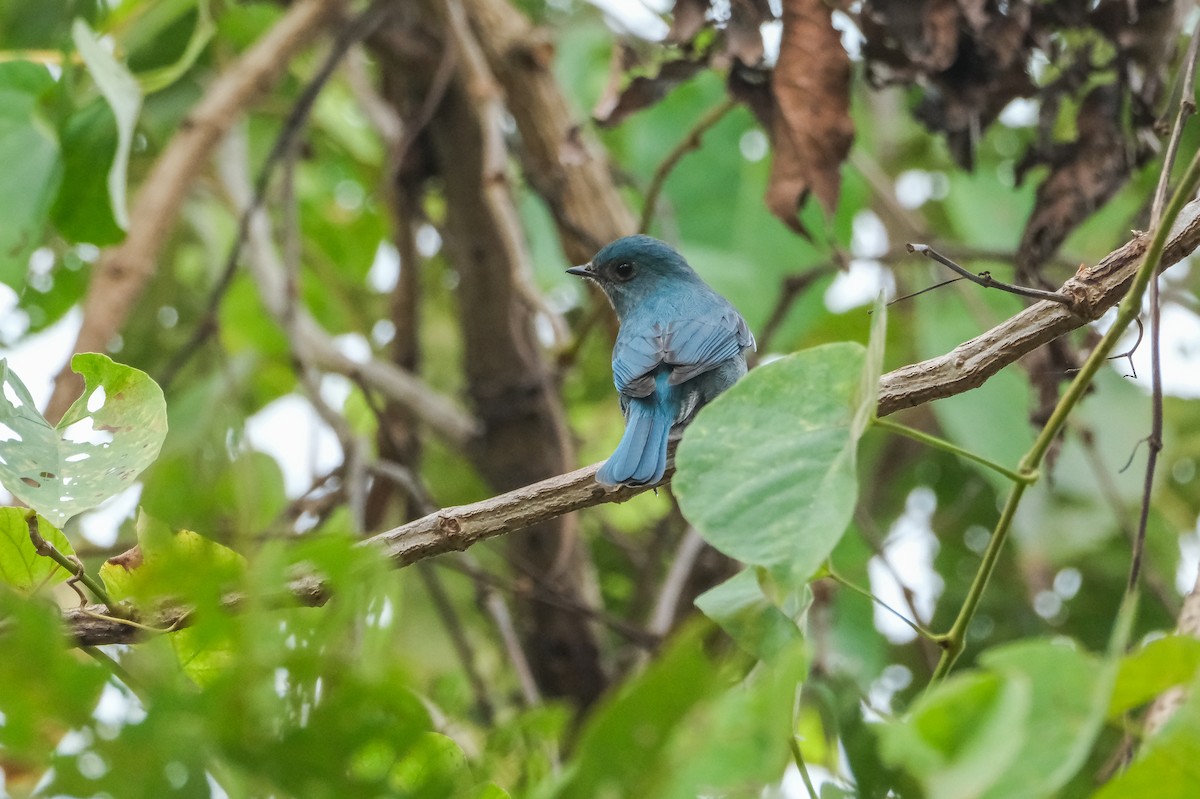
<point>690,142</point>
<point>73,566</point>
<point>939,443</point>
<point>954,641</point>
<point>798,758</point>
<point>916,627</point>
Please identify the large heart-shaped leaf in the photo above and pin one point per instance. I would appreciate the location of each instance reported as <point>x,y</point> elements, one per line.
<point>767,471</point>
<point>105,440</point>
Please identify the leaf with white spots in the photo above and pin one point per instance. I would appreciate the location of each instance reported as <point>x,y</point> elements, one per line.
<point>104,441</point>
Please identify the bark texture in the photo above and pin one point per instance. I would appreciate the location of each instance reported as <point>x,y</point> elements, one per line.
<point>510,382</point>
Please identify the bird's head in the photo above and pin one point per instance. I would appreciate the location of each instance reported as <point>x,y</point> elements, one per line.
<point>635,267</point>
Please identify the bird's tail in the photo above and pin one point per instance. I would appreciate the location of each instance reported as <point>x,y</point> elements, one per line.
<point>641,457</point>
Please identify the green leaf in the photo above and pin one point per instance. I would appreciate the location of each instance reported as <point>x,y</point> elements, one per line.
<point>32,170</point>
<point>766,472</point>
<point>124,96</point>
<point>202,659</point>
<point>684,728</point>
<point>159,18</point>
<point>757,624</point>
<point>90,455</point>
<point>172,564</point>
<point>1168,763</point>
<point>204,493</point>
<point>1157,666</point>
<point>623,744</point>
<point>739,743</point>
<point>20,565</point>
<point>49,689</point>
<point>85,213</point>
<point>434,767</point>
<point>961,736</point>
<point>1070,695</point>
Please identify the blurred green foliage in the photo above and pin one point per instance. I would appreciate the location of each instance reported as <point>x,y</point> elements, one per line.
<point>367,696</point>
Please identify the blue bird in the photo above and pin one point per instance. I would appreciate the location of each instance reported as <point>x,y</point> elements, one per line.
<point>680,344</point>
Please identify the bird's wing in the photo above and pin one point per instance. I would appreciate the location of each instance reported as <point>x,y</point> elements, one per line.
<point>695,346</point>
<point>635,358</point>
<point>689,347</point>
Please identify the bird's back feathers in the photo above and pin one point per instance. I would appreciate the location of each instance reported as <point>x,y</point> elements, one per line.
<point>680,344</point>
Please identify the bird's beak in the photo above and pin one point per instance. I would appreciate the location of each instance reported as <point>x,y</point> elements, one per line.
<point>582,271</point>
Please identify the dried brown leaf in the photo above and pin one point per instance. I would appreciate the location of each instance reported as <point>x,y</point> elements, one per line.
<point>969,55</point>
<point>1083,176</point>
<point>687,19</point>
<point>940,47</point>
<point>1146,34</point>
<point>743,38</point>
<point>643,91</point>
<point>812,130</point>
<point>752,88</point>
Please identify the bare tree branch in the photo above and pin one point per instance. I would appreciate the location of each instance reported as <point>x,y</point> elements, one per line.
<point>1095,290</point>
<point>314,345</point>
<point>561,160</point>
<point>453,529</point>
<point>965,367</point>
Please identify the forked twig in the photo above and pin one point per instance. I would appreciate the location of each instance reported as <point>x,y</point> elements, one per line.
<point>986,280</point>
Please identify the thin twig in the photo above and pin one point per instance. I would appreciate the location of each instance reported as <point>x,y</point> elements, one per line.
<point>790,290</point>
<point>875,539</point>
<point>494,604</point>
<point>458,639</point>
<point>953,449</point>
<point>925,290</point>
<point>122,271</point>
<point>986,280</point>
<point>1137,342</point>
<point>540,592</point>
<point>358,28</point>
<point>690,142</point>
<point>1112,495</point>
<point>1187,107</point>
<point>916,627</point>
<point>353,448</point>
<point>663,615</point>
<point>433,98</point>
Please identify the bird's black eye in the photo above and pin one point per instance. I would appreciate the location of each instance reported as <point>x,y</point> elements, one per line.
<point>623,270</point>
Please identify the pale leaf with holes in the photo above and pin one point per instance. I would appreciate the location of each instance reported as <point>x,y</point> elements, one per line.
<point>104,441</point>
